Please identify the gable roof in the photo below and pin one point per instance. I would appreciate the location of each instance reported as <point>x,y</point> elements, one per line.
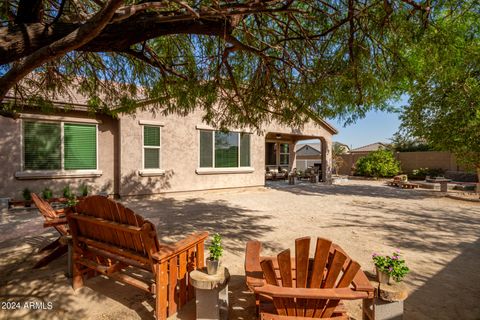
<point>314,146</point>
<point>370,147</point>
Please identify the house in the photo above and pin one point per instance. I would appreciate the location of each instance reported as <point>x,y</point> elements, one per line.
<point>143,154</point>
<point>310,155</point>
<point>369,148</point>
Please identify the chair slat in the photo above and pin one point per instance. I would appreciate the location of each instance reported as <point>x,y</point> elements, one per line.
<point>271,278</point>
<point>285,266</point>
<point>302,251</point>
<point>344,282</point>
<point>322,251</point>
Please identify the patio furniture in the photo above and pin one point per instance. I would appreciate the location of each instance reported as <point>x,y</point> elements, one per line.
<point>287,287</point>
<point>56,219</point>
<point>108,238</point>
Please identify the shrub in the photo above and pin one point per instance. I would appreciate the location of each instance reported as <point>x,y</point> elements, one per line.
<point>67,192</point>
<point>84,190</point>
<point>379,163</point>
<point>422,173</point>
<point>26,194</point>
<point>47,193</point>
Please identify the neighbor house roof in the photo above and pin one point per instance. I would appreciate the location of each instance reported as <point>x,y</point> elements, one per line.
<point>315,146</point>
<point>370,147</point>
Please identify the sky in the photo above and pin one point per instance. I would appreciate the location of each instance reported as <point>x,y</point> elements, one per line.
<point>377,126</point>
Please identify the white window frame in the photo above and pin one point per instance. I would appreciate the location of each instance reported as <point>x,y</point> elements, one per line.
<point>60,173</point>
<point>213,169</point>
<point>283,153</point>
<point>144,172</point>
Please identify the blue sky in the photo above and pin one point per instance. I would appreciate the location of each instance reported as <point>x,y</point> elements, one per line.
<point>376,126</point>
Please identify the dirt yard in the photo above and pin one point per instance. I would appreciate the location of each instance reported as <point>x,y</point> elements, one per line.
<point>439,237</point>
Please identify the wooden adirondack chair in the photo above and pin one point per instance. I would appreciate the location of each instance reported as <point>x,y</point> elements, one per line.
<point>108,238</point>
<point>303,287</point>
<point>57,220</point>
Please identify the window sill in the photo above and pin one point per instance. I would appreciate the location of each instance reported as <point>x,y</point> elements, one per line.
<point>30,175</point>
<point>151,172</point>
<point>224,170</point>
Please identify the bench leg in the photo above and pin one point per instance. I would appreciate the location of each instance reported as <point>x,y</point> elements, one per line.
<point>77,277</point>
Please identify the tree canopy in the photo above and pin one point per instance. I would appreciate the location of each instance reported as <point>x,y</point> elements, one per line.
<point>444,105</point>
<point>241,61</point>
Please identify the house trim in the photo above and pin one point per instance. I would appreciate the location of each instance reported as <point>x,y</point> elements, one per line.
<point>202,171</point>
<point>31,175</point>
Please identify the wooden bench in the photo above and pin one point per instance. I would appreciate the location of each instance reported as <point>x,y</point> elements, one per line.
<point>109,238</point>
<point>408,185</point>
<point>298,287</point>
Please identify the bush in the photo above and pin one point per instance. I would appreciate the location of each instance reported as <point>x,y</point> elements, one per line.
<point>47,193</point>
<point>422,173</point>
<point>379,163</point>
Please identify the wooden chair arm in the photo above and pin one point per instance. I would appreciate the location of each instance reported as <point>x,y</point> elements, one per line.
<point>55,222</point>
<point>168,251</point>
<point>308,293</point>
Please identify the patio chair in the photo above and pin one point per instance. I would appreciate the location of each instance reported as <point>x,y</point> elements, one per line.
<point>56,219</point>
<point>303,287</point>
<point>109,238</point>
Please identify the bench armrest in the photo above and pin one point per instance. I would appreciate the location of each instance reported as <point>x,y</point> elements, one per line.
<point>55,222</point>
<point>168,251</point>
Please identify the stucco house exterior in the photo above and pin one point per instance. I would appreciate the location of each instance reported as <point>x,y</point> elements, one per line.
<point>143,154</point>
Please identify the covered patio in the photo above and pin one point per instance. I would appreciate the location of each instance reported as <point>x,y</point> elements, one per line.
<point>280,152</point>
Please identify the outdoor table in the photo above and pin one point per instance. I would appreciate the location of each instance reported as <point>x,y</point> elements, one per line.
<point>211,293</point>
<point>388,301</point>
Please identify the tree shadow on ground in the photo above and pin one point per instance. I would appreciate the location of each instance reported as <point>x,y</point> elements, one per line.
<point>23,235</point>
<point>379,191</point>
<point>176,218</point>
<point>449,287</point>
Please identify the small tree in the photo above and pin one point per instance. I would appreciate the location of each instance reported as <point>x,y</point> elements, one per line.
<point>337,151</point>
<point>380,163</point>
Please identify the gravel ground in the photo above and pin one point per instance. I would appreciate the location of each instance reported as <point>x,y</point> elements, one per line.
<point>439,238</point>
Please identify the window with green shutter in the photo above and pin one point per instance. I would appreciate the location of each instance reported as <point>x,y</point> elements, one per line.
<point>80,146</point>
<point>41,146</point>
<point>44,148</point>
<point>151,147</point>
<point>224,149</point>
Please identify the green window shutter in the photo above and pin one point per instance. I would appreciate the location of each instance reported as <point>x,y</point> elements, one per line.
<point>244,150</point>
<point>151,158</point>
<point>206,149</point>
<point>151,136</point>
<point>80,146</point>
<point>226,150</point>
<point>41,145</point>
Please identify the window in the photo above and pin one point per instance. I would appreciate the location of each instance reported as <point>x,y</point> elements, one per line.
<point>151,147</point>
<point>59,146</point>
<point>284,154</point>
<point>224,149</point>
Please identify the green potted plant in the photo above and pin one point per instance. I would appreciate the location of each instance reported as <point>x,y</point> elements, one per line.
<point>216,251</point>
<point>83,190</point>
<point>47,194</point>
<point>27,197</point>
<point>390,266</point>
<point>67,192</point>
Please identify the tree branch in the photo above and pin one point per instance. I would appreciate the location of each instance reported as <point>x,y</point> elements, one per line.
<point>72,41</point>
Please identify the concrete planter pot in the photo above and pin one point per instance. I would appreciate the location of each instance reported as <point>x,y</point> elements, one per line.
<point>383,277</point>
<point>212,266</point>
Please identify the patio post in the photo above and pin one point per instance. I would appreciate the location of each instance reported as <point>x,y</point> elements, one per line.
<point>326,160</point>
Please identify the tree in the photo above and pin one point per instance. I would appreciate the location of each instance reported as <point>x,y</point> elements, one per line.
<point>444,107</point>
<point>403,142</point>
<point>242,62</point>
<point>380,163</point>
<point>337,150</point>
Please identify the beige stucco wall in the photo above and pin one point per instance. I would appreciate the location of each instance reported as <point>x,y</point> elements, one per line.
<point>180,153</point>
<point>120,157</point>
<point>11,153</point>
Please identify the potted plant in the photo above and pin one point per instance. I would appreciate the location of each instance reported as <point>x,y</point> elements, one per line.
<point>47,194</point>
<point>216,251</point>
<point>390,266</point>
<point>67,192</point>
<point>83,190</point>
<point>27,197</point>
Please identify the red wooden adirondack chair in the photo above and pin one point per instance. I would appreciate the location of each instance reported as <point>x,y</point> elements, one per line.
<point>56,219</point>
<point>303,287</point>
